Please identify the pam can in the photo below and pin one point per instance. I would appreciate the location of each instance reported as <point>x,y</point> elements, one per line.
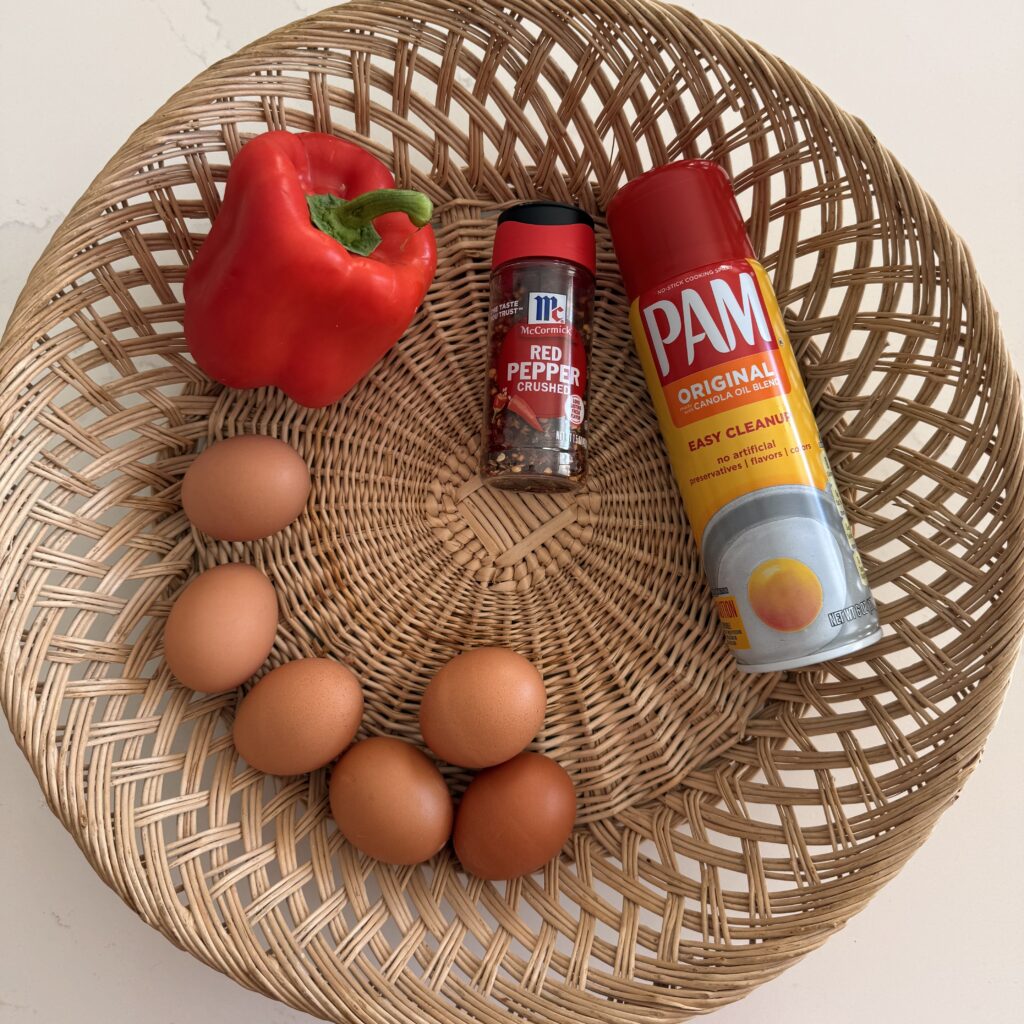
<point>786,579</point>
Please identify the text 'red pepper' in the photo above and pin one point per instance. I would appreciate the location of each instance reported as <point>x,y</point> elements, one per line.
<point>314,267</point>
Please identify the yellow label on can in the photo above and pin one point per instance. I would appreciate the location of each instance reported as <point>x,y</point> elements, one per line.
<point>788,584</point>
<point>726,386</point>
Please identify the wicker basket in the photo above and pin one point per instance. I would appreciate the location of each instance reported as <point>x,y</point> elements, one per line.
<point>729,824</point>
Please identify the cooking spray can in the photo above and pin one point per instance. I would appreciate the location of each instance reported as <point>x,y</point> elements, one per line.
<point>788,584</point>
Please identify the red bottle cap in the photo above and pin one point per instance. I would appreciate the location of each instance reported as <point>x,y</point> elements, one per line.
<point>674,219</point>
<point>539,230</point>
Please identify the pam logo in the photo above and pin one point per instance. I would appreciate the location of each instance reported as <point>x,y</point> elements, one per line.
<point>547,308</point>
<point>707,321</point>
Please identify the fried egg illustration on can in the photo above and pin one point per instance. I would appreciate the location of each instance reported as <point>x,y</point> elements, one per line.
<point>783,574</point>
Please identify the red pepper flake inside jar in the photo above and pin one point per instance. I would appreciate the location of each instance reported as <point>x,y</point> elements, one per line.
<point>542,303</point>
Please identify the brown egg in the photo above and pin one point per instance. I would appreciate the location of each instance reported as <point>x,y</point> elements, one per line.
<point>515,817</point>
<point>221,628</point>
<point>299,717</point>
<point>482,707</point>
<point>245,488</point>
<point>390,801</point>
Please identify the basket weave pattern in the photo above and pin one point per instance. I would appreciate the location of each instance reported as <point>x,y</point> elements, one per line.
<point>728,823</point>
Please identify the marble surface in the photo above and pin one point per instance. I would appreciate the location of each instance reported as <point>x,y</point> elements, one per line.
<point>943,941</point>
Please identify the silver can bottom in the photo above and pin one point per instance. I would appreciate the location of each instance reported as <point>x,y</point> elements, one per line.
<point>829,654</point>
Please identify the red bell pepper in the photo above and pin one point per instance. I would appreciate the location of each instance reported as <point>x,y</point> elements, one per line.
<point>314,267</point>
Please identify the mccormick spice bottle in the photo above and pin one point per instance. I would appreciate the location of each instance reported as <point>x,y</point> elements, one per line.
<point>542,301</point>
<point>788,584</point>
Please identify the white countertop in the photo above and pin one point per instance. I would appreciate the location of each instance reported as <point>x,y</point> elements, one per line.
<point>943,942</point>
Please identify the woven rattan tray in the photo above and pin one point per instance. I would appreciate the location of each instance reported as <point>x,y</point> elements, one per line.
<point>729,824</point>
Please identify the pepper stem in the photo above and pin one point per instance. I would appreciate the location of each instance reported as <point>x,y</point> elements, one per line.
<point>350,221</point>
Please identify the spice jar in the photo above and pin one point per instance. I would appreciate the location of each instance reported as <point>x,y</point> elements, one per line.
<point>542,301</point>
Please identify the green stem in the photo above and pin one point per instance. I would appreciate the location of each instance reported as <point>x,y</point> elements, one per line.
<point>350,221</point>
<point>371,205</point>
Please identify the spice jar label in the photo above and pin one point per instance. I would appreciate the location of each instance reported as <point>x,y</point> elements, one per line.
<point>541,322</point>
<point>545,367</point>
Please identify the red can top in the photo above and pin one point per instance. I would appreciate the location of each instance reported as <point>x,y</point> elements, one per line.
<point>539,230</point>
<point>674,219</point>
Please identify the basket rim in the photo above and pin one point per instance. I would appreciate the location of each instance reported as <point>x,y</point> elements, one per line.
<point>24,326</point>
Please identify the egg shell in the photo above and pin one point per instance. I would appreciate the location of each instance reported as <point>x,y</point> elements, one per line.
<point>483,707</point>
<point>245,488</point>
<point>390,801</point>
<point>221,628</point>
<point>515,817</point>
<point>299,716</point>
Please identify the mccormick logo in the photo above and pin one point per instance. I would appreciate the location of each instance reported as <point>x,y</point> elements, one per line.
<point>547,308</point>
<point>712,341</point>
